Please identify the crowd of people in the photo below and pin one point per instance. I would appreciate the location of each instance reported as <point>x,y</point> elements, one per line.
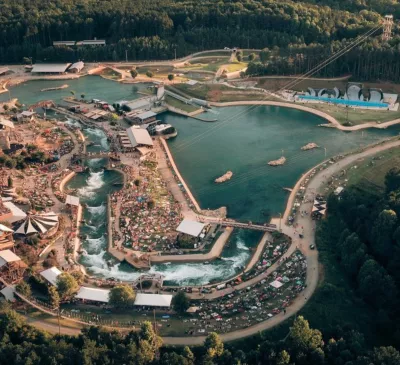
<point>257,303</point>
<point>148,213</point>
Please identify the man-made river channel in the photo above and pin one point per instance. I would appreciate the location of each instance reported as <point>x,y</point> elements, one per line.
<point>204,151</point>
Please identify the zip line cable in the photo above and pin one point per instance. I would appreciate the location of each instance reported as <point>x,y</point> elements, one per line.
<point>323,64</point>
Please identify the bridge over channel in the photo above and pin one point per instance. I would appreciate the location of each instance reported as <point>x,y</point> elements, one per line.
<point>256,227</point>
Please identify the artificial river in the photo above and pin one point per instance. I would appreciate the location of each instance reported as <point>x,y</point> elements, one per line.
<point>204,151</point>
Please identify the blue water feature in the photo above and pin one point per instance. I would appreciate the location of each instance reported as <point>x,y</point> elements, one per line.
<point>358,103</point>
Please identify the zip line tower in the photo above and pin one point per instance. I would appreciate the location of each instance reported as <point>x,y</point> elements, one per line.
<point>387,27</point>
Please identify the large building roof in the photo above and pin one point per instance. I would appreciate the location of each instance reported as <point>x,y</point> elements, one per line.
<point>17,214</point>
<point>7,256</point>
<point>3,228</point>
<point>192,228</point>
<point>77,65</point>
<point>6,123</point>
<point>146,115</point>
<point>8,293</point>
<point>139,136</point>
<point>51,275</point>
<point>153,300</point>
<point>94,294</point>
<point>72,200</point>
<point>50,68</point>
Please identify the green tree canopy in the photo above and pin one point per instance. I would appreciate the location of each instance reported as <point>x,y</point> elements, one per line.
<point>66,285</point>
<point>213,345</point>
<point>122,296</point>
<point>24,288</point>
<point>180,302</point>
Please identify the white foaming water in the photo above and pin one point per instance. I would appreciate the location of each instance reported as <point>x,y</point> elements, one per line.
<point>72,122</point>
<point>94,162</point>
<point>95,132</point>
<point>104,143</point>
<point>95,244</point>
<point>182,274</point>
<point>95,260</point>
<point>241,245</point>
<point>95,181</point>
<point>96,211</point>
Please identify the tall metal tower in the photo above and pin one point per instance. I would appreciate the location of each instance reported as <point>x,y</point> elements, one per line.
<point>387,27</point>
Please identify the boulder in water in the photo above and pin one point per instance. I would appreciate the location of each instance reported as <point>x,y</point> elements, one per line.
<point>277,162</point>
<point>309,146</point>
<point>227,176</point>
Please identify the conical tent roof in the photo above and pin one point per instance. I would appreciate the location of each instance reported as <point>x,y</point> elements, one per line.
<point>38,223</point>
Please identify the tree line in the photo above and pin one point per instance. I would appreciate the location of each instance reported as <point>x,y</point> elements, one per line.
<point>155,29</point>
<point>363,233</point>
<point>23,344</point>
<point>372,60</point>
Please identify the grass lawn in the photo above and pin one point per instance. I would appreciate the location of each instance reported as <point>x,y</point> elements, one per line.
<point>180,105</point>
<point>369,173</point>
<point>214,53</point>
<point>110,74</point>
<point>235,66</point>
<point>356,116</point>
<point>220,93</point>
<point>161,69</point>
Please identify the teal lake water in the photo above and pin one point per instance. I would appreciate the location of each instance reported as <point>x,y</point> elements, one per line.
<point>204,151</point>
<point>243,140</point>
<point>94,87</point>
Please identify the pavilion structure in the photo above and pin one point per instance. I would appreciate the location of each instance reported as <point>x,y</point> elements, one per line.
<point>12,268</point>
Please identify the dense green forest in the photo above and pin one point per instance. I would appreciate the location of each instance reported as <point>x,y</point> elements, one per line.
<point>153,29</point>
<point>304,32</point>
<point>362,233</point>
<point>22,344</point>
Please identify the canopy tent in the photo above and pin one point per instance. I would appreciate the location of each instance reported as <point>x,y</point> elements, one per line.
<point>192,309</point>
<point>38,223</point>
<point>93,294</point>
<point>153,300</point>
<point>276,284</point>
<point>192,228</point>
<point>51,275</point>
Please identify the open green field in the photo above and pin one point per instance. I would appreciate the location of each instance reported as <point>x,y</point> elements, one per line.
<point>369,174</point>
<point>180,104</point>
<point>356,116</point>
<point>161,69</point>
<point>110,74</point>
<point>219,93</point>
<point>214,53</point>
<point>235,66</point>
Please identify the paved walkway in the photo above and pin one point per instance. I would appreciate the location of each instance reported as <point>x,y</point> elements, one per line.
<point>308,227</point>
<point>312,255</point>
<point>215,251</point>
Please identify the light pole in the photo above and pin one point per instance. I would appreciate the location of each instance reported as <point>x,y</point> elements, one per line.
<point>325,151</point>
<point>126,56</point>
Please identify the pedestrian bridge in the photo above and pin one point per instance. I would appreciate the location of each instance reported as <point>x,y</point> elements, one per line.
<point>257,227</point>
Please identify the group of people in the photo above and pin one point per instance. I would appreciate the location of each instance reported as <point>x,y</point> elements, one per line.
<point>246,307</point>
<point>148,213</point>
